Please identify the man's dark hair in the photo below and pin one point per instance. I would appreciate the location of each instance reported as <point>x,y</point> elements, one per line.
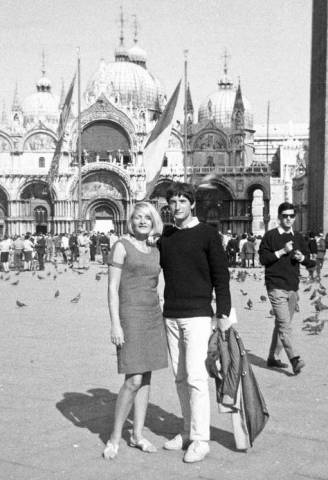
<point>285,206</point>
<point>180,189</point>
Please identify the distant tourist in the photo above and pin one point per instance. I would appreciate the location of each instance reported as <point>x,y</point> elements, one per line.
<point>5,248</point>
<point>321,252</point>
<point>282,250</point>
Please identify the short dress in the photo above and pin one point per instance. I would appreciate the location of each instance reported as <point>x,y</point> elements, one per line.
<point>145,345</point>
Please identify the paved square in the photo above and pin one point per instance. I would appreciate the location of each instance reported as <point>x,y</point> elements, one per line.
<point>59,385</point>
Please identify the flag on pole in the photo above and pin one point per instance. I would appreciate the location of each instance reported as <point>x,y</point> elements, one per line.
<point>53,170</point>
<point>158,141</point>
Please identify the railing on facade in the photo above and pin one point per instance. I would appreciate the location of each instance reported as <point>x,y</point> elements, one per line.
<point>111,156</point>
<point>253,169</point>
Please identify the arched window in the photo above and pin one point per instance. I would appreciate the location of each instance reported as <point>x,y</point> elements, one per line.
<point>40,215</point>
<point>42,162</point>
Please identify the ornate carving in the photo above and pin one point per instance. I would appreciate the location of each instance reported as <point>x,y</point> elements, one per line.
<point>174,143</point>
<point>102,109</point>
<point>4,145</point>
<point>100,189</point>
<point>210,141</point>
<point>39,142</point>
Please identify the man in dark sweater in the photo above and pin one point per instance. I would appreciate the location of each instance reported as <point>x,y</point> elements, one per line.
<point>281,252</point>
<point>194,263</point>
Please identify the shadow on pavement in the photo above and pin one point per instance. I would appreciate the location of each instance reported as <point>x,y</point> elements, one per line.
<point>94,410</point>
<point>260,362</point>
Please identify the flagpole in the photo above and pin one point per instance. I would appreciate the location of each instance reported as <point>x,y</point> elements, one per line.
<point>79,144</point>
<point>267,132</point>
<point>185,117</point>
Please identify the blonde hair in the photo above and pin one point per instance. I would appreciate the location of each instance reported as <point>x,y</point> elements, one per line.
<point>157,224</point>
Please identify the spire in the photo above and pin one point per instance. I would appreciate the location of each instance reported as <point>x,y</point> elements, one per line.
<point>44,84</point>
<point>238,110</point>
<point>239,104</point>
<point>4,117</point>
<point>122,27</point>
<point>16,106</point>
<point>62,94</point>
<point>121,54</point>
<point>135,25</point>
<point>137,54</point>
<point>225,82</point>
<point>43,65</point>
<point>190,107</point>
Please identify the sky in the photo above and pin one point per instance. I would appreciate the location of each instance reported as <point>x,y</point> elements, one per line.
<point>268,42</point>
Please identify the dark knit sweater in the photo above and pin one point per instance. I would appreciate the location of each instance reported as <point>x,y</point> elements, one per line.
<point>282,273</point>
<point>194,262</point>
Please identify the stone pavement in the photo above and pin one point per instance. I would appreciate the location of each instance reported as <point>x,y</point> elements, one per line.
<point>59,384</point>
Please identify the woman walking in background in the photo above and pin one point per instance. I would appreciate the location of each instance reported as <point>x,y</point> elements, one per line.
<point>137,327</point>
<point>5,247</point>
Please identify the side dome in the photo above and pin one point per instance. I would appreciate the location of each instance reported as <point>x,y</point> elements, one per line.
<point>219,106</point>
<point>124,83</point>
<point>137,55</point>
<point>41,106</point>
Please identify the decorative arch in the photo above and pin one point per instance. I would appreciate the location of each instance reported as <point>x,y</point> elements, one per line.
<point>211,140</point>
<point>6,145</point>
<point>4,195</point>
<point>103,110</point>
<point>39,192</point>
<point>104,211</point>
<point>258,186</point>
<point>218,182</point>
<point>93,204</point>
<point>213,204</point>
<point>175,141</point>
<point>105,139</point>
<point>101,166</point>
<point>40,141</point>
<point>102,182</point>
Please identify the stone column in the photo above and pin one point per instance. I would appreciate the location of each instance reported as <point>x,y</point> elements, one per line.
<point>318,147</point>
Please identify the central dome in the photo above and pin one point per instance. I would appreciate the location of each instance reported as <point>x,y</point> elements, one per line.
<point>125,83</point>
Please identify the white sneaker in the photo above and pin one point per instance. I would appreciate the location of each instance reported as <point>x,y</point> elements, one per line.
<point>176,443</point>
<point>196,452</point>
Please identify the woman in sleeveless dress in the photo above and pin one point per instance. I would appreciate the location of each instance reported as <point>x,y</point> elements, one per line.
<point>137,327</point>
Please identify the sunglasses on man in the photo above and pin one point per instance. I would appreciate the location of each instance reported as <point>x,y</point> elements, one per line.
<point>288,215</point>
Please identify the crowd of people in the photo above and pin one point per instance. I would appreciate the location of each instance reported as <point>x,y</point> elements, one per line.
<point>243,250</point>
<point>32,251</point>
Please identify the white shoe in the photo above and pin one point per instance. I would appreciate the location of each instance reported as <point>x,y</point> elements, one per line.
<point>196,452</point>
<point>176,443</point>
<point>110,452</point>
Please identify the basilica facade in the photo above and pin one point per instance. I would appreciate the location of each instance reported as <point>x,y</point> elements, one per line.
<point>121,104</point>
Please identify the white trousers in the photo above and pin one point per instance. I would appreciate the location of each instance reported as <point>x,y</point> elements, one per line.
<point>188,341</point>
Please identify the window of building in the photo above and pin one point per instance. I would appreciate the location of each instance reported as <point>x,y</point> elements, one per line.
<point>42,162</point>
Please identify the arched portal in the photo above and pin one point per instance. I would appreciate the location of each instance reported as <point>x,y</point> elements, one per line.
<point>215,206</point>
<point>36,207</point>
<point>103,215</point>
<point>258,208</point>
<point>105,141</point>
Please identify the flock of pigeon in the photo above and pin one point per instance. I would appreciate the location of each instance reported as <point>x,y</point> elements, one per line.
<point>11,277</point>
<point>313,324</point>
